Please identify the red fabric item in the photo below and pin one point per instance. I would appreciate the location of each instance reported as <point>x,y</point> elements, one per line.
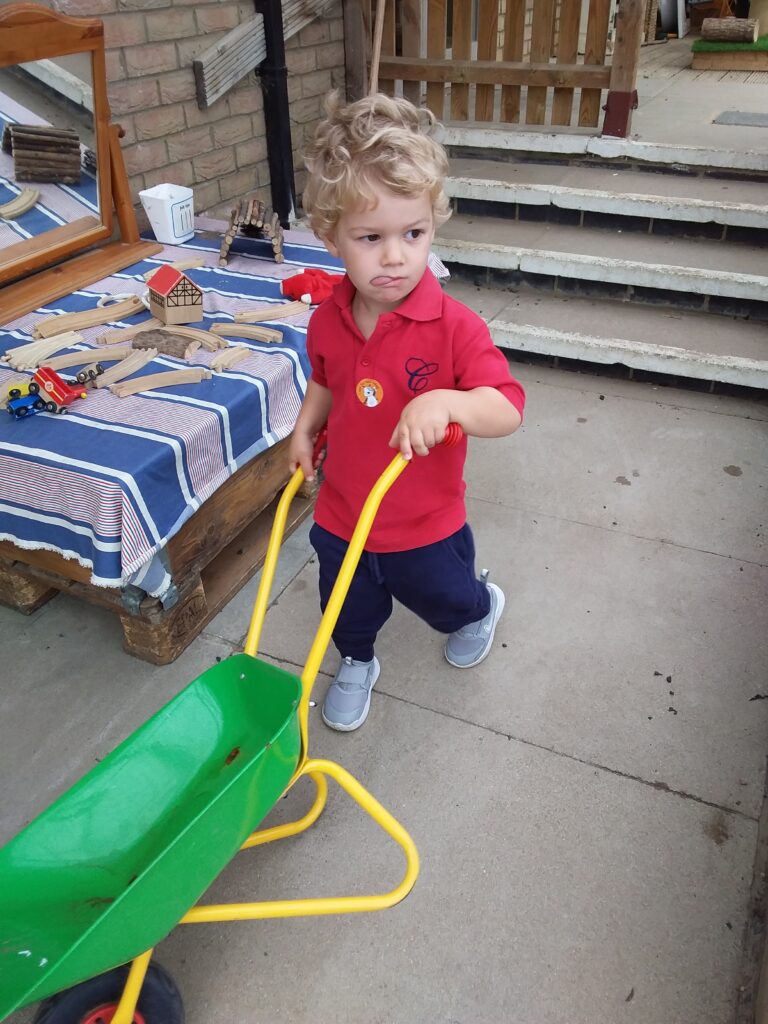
<point>313,286</point>
<point>430,341</point>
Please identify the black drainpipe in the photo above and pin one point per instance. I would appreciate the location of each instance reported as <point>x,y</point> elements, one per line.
<point>274,86</point>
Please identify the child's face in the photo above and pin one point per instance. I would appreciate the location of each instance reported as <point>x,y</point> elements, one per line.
<point>385,247</point>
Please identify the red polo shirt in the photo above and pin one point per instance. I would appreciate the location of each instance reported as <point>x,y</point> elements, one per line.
<point>430,341</point>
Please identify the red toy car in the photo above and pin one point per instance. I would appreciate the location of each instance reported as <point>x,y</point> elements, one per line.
<point>56,393</point>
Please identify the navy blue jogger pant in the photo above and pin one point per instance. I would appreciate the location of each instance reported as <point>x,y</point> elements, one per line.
<point>436,581</point>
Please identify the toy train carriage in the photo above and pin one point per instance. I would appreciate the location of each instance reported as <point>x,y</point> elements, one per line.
<point>55,392</point>
<point>50,392</point>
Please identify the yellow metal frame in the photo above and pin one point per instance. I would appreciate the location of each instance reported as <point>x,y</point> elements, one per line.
<point>316,769</point>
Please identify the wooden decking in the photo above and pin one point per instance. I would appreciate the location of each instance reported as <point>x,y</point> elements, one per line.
<point>673,60</point>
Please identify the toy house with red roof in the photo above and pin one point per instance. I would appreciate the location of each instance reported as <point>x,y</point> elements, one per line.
<point>173,298</point>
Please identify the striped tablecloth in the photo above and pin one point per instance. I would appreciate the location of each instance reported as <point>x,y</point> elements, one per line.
<point>110,482</point>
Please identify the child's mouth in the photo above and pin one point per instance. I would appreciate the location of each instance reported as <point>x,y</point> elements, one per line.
<point>386,282</point>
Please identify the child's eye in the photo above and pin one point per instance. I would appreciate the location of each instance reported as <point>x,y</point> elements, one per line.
<point>414,233</point>
<point>370,238</point>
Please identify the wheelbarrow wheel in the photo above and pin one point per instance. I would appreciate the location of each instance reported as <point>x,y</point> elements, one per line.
<point>95,1001</point>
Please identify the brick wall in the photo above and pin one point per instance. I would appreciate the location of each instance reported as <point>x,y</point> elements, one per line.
<point>220,152</point>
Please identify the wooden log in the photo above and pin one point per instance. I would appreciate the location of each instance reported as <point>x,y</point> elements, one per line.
<point>730,30</point>
<point>41,131</point>
<point>48,177</point>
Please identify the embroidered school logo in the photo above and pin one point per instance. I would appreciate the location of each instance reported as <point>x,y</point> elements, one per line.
<point>419,373</point>
<point>369,391</point>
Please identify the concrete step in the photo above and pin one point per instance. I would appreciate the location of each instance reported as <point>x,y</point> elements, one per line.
<point>647,339</point>
<point>720,208</point>
<point>583,143</point>
<point>726,278</point>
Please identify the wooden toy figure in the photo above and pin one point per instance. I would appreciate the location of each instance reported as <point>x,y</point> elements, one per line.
<point>173,298</point>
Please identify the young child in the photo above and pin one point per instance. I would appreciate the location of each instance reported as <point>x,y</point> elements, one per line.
<point>394,361</point>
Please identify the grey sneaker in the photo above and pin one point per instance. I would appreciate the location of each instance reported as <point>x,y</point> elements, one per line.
<point>349,696</point>
<point>469,645</point>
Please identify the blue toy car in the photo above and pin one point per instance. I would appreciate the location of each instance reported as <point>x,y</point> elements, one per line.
<point>26,405</point>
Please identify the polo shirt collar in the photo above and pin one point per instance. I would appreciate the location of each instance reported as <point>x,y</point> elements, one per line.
<point>424,303</point>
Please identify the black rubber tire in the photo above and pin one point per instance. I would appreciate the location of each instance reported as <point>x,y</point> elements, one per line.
<point>21,413</point>
<point>82,377</point>
<point>34,387</point>
<point>14,393</point>
<point>50,406</point>
<point>39,404</point>
<point>159,1002</point>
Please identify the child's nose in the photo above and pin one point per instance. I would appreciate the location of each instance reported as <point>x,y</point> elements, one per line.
<point>393,251</point>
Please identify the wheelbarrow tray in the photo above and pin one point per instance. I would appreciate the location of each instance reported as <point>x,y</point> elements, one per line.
<point>109,869</point>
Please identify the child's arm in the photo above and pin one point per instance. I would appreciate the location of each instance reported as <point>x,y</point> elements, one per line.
<point>481,412</point>
<point>311,419</point>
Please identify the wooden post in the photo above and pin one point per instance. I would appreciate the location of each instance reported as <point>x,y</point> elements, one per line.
<point>622,94</point>
<point>357,18</point>
<point>121,193</point>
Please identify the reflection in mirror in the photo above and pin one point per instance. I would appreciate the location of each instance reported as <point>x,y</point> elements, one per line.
<point>48,168</point>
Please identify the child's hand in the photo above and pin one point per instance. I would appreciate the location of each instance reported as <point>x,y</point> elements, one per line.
<point>422,425</point>
<point>300,453</point>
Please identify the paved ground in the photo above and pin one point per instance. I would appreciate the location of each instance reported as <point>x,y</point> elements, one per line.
<point>585,802</point>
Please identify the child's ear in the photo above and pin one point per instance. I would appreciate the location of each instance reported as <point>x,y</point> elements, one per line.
<point>330,244</point>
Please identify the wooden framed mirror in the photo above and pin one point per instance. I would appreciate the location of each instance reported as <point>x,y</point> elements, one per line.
<point>60,163</point>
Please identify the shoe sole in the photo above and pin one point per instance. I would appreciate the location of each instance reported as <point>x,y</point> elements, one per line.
<point>338,726</point>
<point>501,599</point>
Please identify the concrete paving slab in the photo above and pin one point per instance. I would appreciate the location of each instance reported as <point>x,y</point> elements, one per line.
<point>654,469</point>
<point>70,695</point>
<point>549,892</point>
<point>595,623</point>
<point>682,113</point>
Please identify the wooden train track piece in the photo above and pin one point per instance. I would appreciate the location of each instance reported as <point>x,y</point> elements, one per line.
<point>250,331</point>
<point>276,312</point>
<point>89,317</point>
<point>76,358</point>
<point>191,264</point>
<point>35,353</point>
<point>131,364</point>
<point>229,357</point>
<point>24,201</point>
<point>153,381</point>
<point>121,334</point>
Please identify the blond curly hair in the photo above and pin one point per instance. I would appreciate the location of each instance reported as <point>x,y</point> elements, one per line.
<point>379,141</point>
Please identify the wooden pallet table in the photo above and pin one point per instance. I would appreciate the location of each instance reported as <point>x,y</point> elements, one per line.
<point>213,555</point>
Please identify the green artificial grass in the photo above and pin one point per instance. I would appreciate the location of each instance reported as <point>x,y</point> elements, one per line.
<point>708,46</point>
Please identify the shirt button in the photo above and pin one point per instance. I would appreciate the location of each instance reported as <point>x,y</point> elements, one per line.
<point>365,362</point>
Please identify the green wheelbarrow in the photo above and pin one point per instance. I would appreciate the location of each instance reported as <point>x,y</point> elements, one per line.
<point>89,887</point>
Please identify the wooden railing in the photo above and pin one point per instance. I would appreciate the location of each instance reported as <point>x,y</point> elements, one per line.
<point>521,66</point>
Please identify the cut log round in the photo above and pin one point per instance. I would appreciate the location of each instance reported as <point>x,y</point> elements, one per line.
<point>729,30</point>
